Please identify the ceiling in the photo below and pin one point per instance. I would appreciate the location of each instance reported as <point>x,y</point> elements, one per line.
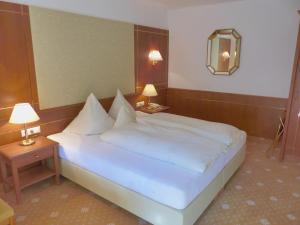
<point>185,3</point>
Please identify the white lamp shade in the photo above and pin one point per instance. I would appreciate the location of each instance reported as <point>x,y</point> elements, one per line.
<point>23,113</point>
<point>149,90</point>
<point>155,56</point>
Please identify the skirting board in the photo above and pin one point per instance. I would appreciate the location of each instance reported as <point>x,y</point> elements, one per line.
<point>143,207</point>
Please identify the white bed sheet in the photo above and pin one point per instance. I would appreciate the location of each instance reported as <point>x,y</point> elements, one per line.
<point>160,181</point>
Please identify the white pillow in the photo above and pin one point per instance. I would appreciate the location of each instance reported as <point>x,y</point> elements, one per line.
<point>124,117</point>
<point>92,119</point>
<point>118,102</point>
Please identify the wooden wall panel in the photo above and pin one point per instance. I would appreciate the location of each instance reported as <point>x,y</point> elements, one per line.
<point>17,74</point>
<point>146,39</point>
<point>17,78</point>
<point>258,116</point>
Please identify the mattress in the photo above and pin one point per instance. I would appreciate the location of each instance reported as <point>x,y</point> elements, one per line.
<point>160,181</point>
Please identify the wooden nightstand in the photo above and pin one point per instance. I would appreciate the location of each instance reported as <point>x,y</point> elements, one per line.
<point>17,156</point>
<point>152,110</point>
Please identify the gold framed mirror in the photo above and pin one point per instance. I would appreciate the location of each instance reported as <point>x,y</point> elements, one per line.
<point>223,52</point>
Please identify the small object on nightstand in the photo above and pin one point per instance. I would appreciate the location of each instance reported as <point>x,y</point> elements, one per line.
<point>153,108</point>
<point>16,156</point>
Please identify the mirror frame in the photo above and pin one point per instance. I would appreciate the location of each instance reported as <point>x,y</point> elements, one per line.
<point>238,38</point>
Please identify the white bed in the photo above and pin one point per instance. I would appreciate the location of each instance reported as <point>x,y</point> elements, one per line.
<point>171,187</point>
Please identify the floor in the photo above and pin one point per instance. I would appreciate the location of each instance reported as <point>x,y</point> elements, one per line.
<point>262,192</point>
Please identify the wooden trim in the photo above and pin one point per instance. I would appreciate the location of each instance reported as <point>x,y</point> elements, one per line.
<point>31,65</point>
<point>19,72</point>
<point>241,99</point>
<point>136,57</point>
<point>151,30</point>
<point>257,115</point>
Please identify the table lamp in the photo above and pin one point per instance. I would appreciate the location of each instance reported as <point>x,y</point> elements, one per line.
<point>149,91</point>
<point>23,113</point>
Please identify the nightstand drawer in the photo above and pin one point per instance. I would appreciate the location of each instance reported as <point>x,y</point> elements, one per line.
<point>33,157</point>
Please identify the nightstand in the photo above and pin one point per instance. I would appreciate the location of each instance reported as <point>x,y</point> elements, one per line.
<point>152,110</point>
<point>16,157</point>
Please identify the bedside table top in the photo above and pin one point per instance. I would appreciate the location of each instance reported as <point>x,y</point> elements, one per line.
<point>14,150</point>
<point>152,110</point>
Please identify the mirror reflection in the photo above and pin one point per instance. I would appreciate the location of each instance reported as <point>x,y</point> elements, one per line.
<point>224,52</point>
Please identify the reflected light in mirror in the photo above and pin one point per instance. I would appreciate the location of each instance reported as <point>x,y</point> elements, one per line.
<point>226,55</point>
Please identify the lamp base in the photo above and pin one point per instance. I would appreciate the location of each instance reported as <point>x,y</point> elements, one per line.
<point>27,142</point>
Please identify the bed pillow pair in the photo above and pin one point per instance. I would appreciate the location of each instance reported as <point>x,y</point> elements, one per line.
<point>122,111</point>
<point>93,119</point>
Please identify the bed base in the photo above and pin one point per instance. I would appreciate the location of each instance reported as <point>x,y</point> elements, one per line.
<point>145,208</point>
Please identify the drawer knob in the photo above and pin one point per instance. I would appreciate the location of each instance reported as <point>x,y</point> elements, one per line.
<point>36,156</point>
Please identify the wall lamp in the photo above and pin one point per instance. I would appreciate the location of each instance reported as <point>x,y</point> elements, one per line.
<point>155,57</point>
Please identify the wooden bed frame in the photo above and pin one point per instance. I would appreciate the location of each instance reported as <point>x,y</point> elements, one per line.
<point>145,208</point>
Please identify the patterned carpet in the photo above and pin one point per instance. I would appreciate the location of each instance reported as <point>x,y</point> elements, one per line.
<point>262,192</point>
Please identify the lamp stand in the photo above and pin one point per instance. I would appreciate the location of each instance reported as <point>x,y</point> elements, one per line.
<point>27,141</point>
<point>149,101</point>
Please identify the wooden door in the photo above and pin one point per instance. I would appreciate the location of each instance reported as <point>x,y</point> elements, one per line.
<point>291,140</point>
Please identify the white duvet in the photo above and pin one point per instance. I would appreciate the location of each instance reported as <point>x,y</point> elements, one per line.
<point>218,132</point>
<point>190,143</point>
<point>173,145</point>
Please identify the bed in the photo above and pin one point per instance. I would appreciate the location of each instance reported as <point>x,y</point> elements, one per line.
<point>157,191</point>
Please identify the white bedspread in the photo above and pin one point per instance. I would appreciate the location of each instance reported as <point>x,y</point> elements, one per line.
<point>162,182</point>
<point>218,132</point>
<point>175,145</point>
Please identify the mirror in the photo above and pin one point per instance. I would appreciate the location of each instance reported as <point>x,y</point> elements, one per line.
<point>223,52</point>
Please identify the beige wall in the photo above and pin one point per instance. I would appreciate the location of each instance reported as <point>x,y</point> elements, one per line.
<point>75,55</point>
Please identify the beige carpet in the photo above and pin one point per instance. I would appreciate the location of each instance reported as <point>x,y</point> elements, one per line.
<point>263,192</point>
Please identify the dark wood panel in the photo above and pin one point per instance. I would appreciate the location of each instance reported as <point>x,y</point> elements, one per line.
<point>11,8</point>
<point>291,139</point>
<point>258,116</point>
<point>17,78</point>
<point>147,39</point>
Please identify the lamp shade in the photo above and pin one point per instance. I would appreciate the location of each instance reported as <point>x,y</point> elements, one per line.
<point>23,113</point>
<point>155,56</point>
<point>149,90</point>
